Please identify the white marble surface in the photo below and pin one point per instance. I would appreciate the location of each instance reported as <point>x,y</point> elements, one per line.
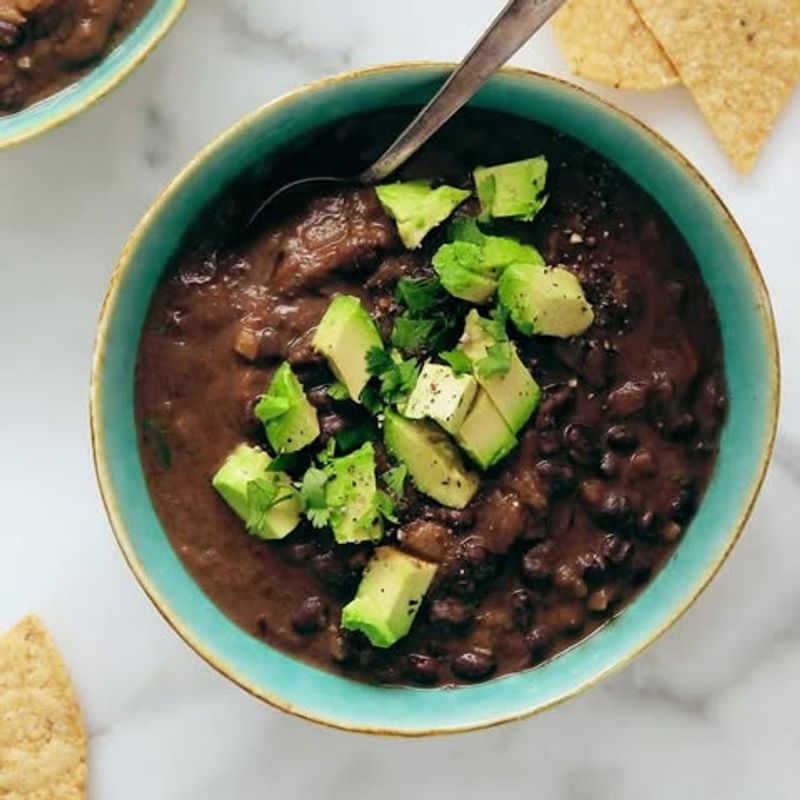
<point>710,711</point>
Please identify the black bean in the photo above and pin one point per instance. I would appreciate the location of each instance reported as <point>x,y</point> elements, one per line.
<point>641,567</point>
<point>681,506</point>
<point>581,446</point>
<point>450,612</point>
<point>559,477</point>
<point>567,579</point>
<point>535,568</point>
<point>600,599</point>
<point>331,424</point>
<point>319,397</point>
<point>300,552</point>
<point>10,34</point>
<point>621,438</point>
<point>615,548</point>
<point>682,427</point>
<point>628,399</point>
<point>556,400</point>
<point>591,565</point>
<point>474,664</point>
<point>539,639</point>
<point>311,615</point>
<point>480,563</point>
<point>550,441</point>
<point>609,465</point>
<point>421,668</point>
<point>615,512</point>
<point>522,607</point>
<point>570,617</point>
<point>642,463</point>
<point>341,647</point>
<point>334,573</point>
<point>644,522</point>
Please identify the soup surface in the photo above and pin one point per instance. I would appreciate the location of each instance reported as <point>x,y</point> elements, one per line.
<point>562,532</point>
<point>46,45</point>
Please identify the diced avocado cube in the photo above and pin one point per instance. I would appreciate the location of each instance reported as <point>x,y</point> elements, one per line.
<point>441,395</point>
<point>417,208</point>
<point>290,421</point>
<point>484,434</point>
<point>432,460</point>
<point>389,596</point>
<point>264,500</point>
<point>545,300</point>
<point>498,252</point>
<point>458,266</point>
<point>512,190</point>
<point>516,394</point>
<point>346,333</point>
<point>351,495</point>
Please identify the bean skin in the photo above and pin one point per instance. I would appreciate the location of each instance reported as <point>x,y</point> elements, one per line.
<point>474,665</point>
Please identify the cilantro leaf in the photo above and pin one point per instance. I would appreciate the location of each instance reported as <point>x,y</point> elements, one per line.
<point>262,495</point>
<point>410,334</point>
<point>371,400</point>
<point>351,438</point>
<point>338,391</point>
<point>458,360</point>
<point>395,479</point>
<point>496,326</point>
<point>419,295</point>
<point>397,376</point>
<point>152,434</point>
<point>497,360</point>
<point>312,496</point>
<point>385,506</point>
<point>326,454</point>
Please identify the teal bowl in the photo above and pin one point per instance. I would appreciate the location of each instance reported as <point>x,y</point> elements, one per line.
<point>752,368</point>
<point>98,82</point>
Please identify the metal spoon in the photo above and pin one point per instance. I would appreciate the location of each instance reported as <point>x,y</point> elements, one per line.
<point>515,24</point>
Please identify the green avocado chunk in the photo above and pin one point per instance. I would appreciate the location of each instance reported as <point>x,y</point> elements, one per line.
<point>442,396</point>
<point>351,495</point>
<point>418,208</point>
<point>290,421</point>
<point>498,252</point>
<point>459,267</point>
<point>515,393</point>
<point>544,300</point>
<point>264,500</point>
<point>389,596</point>
<point>345,334</point>
<point>512,190</point>
<point>432,460</point>
<point>484,434</point>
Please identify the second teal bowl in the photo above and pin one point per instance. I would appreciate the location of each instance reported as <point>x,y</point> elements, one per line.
<point>752,370</point>
<point>98,82</point>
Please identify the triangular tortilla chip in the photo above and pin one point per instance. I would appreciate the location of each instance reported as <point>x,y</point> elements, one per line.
<point>42,740</point>
<point>606,41</point>
<point>740,59</point>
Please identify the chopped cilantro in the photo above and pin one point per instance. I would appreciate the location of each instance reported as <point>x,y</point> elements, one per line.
<point>326,454</point>
<point>351,438</point>
<point>458,360</point>
<point>262,495</point>
<point>397,376</point>
<point>312,496</point>
<point>411,334</point>
<point>419,295</point>
<point>338,391</point>
<point>385,506</point>
<point>395,479</point>
<point>283,463</point>
<point>371,400</point>
<point>497,360</point>
<point>152,434</point>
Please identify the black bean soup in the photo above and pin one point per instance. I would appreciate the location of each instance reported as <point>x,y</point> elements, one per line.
<point>47,44</point>
<point>563,532</point>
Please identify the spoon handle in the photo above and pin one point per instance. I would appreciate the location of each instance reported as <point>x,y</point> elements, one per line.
<point>518,21</point>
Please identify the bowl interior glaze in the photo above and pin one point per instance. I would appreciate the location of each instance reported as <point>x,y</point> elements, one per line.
<point>752,369</point>
<point>95,84</point>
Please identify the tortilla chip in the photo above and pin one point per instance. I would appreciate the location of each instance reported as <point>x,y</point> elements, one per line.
<point>740,59</point>
<point>42,740</point>
<point>605,41</point>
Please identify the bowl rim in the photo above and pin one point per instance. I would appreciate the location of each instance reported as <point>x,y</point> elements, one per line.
<point>112,297</point>
<point>71,108</point>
